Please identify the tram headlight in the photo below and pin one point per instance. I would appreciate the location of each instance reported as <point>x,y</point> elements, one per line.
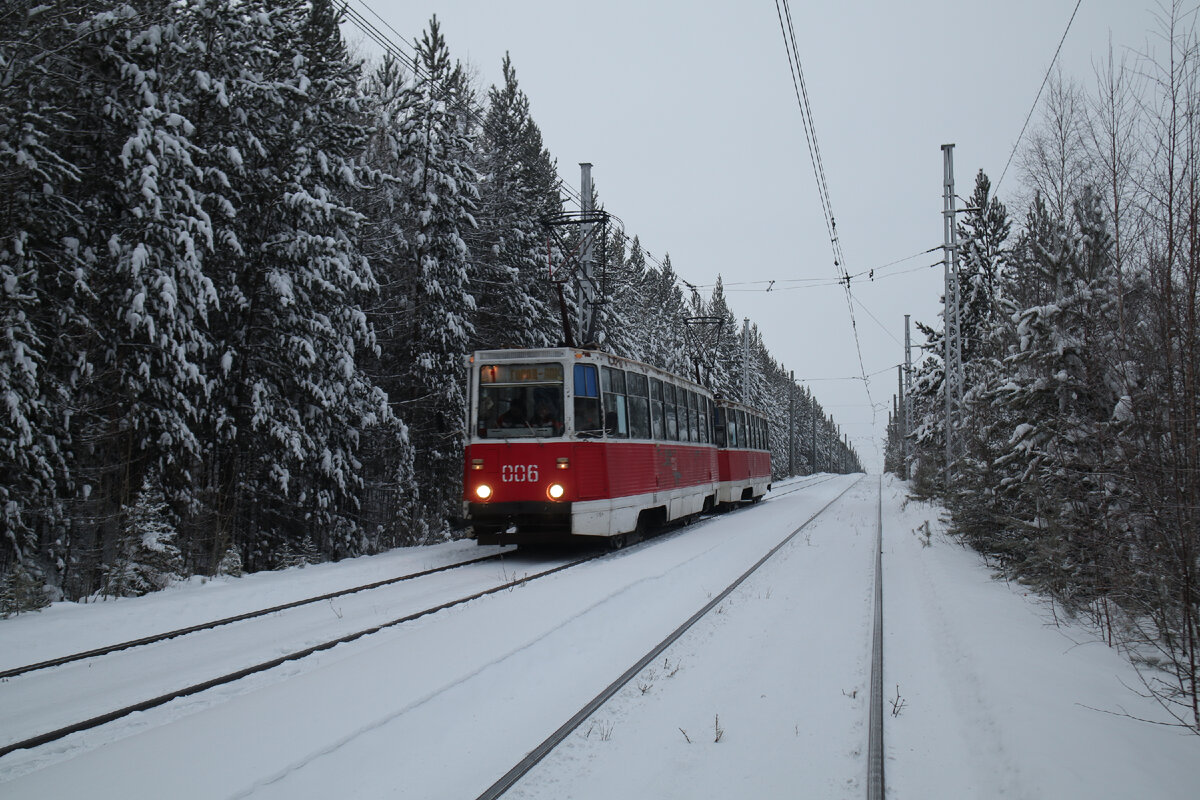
<point>555,491</point>
<point>483,491</point>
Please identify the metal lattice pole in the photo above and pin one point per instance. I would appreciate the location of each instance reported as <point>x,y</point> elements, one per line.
<point>953,344</point>
<point>586,296</point>
<point>907,407</point>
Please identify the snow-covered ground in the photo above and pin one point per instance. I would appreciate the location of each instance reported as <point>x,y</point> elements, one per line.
<point>999,701</point>
<point>994,698</point>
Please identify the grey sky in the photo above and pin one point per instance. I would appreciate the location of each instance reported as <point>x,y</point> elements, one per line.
<point>688,114</point>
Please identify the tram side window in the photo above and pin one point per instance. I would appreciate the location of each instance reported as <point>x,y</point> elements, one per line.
<point>669,408</point>
<point>656,409</point>
<point>616,419</point>
<point>765,432</point>
<point>639,406</point>
<point>702,404</point>
<point>752,421</point>
<point>681,410</point>
<point>719,426</point>
<point>693,418</point>
<point>685,427</point>
<point>743,432</point>
<point>758,433</point>
<point>587,401</point>
<point>732,426</point>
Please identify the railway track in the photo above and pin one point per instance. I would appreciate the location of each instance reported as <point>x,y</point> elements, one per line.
<point>236,675</point>
<point>523,767</point>
<point>97,652</point>
<point>125,709</point>
<point>205,626</point>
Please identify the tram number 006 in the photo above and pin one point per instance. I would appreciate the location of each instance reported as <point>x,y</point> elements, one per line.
<point>519,473</point>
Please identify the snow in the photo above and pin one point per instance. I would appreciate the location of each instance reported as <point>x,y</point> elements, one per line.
<point>995,698</point>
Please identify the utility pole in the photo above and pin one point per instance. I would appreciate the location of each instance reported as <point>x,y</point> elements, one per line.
<point>746,360</point>
<point>901,422</point>
<point>814,432</point>
<point>792,424</point>
<point>586,295</point>
<point>907,406</point>
<point>953,386</point>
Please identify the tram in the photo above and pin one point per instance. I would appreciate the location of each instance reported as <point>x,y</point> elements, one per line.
<point>575,444</point>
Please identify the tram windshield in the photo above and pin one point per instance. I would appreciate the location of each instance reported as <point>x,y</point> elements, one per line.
<point>520,400</point>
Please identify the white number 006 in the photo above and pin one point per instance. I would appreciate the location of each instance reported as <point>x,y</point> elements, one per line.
<point>519,473</point>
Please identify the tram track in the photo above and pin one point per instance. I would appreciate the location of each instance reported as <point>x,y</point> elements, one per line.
<point>525,765</point>
<point>204,626</point>
<point>104,650</point>
<point>229,677</point>
<point>144,705</point>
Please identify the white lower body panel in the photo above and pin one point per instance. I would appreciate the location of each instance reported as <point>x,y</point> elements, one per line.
<point>732,491</point>
<point>617,515</point>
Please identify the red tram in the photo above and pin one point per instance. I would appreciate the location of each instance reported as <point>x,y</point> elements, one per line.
<point>566,443</point>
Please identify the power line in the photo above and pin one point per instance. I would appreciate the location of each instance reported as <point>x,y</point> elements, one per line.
<point>778,284</point>
<point>1016,144</point>
<point>814,151</point>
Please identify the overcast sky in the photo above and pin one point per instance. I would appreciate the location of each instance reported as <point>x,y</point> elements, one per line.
<point>688,113</point>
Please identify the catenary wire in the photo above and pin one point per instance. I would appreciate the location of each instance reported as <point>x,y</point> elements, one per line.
<point>800,86</point>
<point>1016,144</point>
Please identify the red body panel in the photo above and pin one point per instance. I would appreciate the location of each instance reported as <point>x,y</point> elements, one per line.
<point>738,465</point>
<point>523,471</point>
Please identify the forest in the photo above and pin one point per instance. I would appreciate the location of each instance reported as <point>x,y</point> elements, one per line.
<point>242,269</point>
<point>1075,459</point>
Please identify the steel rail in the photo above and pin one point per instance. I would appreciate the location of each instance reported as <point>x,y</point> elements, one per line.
<point>509,779</point>
<point>875,735</point>
<point>159,637</point>
<point>102,719</point>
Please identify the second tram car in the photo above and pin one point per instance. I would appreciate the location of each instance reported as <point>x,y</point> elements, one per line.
<point>566,443</point>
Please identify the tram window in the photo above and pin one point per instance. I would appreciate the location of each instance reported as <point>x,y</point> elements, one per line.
<point>702,405</point>
<point>520,400</point>
<point>758,444</point>
<point>616,419</point>
<point>681,404</point>
<point>682,410</point>
<point>693,418</point>
<point>639,406</point>
<point>656,409</point>
<point>719,426</point>
<point>743,433</point>
<point>669,408</point>
<point>587,401</point>
<point>764,433</point>
<point>732,426</point>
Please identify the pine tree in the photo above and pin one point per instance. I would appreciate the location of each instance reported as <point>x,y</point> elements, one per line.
<point>423,355</point>
<point>291,399</point>
<point>1060,395</point>
<point>147,558</point>
<point>40,266</point>
<point>518,188</point>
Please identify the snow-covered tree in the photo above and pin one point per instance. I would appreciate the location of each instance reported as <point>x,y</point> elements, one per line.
<point>518,187</point>
<point>147,558</point>
<point>290,400</point>
<point>425,343</point>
